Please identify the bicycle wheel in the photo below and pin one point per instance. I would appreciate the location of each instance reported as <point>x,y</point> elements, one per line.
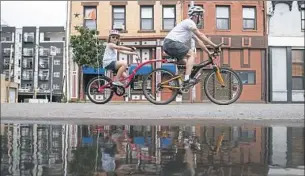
<point>227,75</point>
<point>164,98</point>
<point>93,86</point>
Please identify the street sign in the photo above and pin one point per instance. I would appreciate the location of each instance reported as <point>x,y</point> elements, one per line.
<point>53,51</point>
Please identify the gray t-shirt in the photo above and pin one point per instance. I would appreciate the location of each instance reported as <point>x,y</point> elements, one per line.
<point>109,56</point>
<point>183,33</point>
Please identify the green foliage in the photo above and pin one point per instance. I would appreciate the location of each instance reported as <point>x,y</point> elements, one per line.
<point>87,47</point>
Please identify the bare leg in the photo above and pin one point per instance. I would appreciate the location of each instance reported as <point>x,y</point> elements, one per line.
<point>189,64</point>
<point>121,66</point>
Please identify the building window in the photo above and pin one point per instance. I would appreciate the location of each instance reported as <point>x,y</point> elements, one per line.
<point>297,69</point>
<point>303,18</point>
<point>249,18</point>
<point>27,75</point>
<point>118,17</point>
<point>28,51</point>
<point>29,37</point>
<point>56,86</point>
<point>223,17</point>
<point>201,24</point>
<point>56,62</point>
<point>90,17</point>
<point>169,17</point>
<point>56,74</point>
<point>247,77</point>
<point>147,20</point>
<point>44,86</point>
<point>43,75</point>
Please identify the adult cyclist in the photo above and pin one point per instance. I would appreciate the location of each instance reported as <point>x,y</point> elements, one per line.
<point>176,43</point>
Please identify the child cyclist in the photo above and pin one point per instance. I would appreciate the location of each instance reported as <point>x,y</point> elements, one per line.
<point>110,56</point>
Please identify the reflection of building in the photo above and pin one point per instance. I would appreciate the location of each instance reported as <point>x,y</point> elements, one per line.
<point>36,149</point>
<point>287,146</point>
<point>143,24</point>
<point>286,21</point>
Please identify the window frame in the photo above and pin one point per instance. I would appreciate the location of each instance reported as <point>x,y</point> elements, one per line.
<point>302,66</point>
<point>56,75</point>
<point>84,14</point>
<point>175,18</point>
<point>254,19</point>
<point>229,16</point>
<point>152,18</point>
<point>247,71</point>
<point>112,16</point>
<point>302,19</point>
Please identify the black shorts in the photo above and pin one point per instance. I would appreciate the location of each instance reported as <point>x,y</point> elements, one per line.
<point>111,66</point>
<point>175,49</point>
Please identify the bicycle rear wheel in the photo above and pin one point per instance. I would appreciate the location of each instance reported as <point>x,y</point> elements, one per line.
<point>211,85</point>
<point>151,92</point>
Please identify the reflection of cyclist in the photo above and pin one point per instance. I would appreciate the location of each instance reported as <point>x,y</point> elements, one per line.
<point>110,56</point>
<point>175,43</point>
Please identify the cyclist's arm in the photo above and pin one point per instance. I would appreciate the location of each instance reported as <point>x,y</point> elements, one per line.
<point>119,48</point>
<point>202,37</point>
<point>127,52</point>
<point>201,44</point>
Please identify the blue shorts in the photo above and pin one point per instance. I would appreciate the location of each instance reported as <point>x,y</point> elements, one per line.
<point>111,66</point>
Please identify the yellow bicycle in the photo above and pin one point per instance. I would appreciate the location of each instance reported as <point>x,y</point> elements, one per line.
<point>214,81</point>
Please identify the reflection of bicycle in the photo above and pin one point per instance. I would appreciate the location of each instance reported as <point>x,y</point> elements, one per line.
<point>101,83</point>
<point>173,82</point>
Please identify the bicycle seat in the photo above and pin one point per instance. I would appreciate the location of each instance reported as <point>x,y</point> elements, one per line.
<point>167,56</point>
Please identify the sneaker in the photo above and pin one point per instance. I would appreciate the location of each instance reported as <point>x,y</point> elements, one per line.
<point>188,82</point>
<point>117,83</point>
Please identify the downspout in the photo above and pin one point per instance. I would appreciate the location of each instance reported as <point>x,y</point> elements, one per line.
<point>265,31</point>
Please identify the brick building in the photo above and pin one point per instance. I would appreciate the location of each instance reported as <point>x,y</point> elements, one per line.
<point>241,26</point>
<point>142,24</point>
<point>146,27</point>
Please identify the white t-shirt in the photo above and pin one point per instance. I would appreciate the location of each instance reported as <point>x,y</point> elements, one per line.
<point>182,32</point>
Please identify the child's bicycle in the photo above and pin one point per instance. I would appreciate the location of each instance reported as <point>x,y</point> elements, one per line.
<point>99,85</point>
<point>174,83</point>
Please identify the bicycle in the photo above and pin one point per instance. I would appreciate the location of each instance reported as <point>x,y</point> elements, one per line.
<point>174,82</point>
<point>104,82</point>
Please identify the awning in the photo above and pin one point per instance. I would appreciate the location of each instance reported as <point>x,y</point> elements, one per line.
<point>169,67</point>
<point>142,71</point>
<point>92,70</point>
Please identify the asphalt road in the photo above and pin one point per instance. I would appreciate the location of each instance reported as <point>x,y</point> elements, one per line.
<point>131,113</point>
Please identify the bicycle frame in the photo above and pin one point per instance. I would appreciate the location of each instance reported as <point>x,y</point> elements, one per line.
<point>132,75</point>
<point>199,67</point>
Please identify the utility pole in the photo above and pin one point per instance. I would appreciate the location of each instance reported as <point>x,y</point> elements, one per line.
<point>52,53</point>
<point>9,75</point>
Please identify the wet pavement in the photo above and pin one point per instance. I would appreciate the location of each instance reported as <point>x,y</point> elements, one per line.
<point>169,150</point>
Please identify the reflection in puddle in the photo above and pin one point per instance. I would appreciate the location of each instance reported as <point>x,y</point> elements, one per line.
<point>150,150</point>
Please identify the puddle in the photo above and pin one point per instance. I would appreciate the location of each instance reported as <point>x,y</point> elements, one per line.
<point>81,150</point>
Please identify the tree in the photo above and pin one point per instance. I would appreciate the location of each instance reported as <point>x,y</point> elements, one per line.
<point>86,47</point>
<point>87,50</point>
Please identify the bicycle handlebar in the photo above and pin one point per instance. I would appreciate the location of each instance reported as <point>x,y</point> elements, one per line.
<point>217,50</point>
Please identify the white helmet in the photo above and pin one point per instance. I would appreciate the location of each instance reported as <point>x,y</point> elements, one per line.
<point>195,9</point>
<point>114,32</point>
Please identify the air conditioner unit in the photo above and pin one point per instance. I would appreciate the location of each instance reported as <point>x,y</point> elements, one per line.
<point>270,12</point>
<point>118,26</point>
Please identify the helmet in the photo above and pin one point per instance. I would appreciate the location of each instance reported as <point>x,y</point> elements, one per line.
<point>195,9</point>
<point>114,32</point>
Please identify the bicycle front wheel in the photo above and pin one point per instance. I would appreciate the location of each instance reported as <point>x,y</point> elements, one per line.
<point>153,93</point>
<point>223,95</point>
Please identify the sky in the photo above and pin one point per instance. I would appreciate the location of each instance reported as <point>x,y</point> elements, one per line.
<point>33,13</point>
